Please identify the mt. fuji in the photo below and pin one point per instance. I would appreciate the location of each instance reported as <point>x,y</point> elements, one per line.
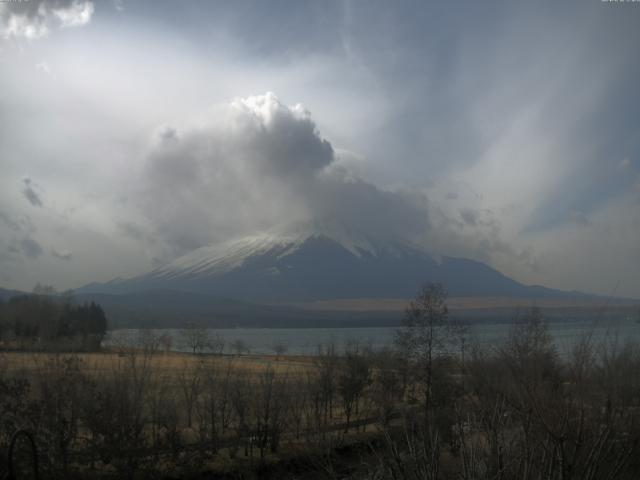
<point>320,261</point>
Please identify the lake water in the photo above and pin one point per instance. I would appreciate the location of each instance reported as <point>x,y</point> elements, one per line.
<point>305,341</point>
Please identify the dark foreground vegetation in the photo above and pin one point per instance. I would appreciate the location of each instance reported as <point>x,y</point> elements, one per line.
<point>435,407</point>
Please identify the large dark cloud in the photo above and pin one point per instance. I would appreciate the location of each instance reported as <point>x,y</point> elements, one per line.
<point>368,208</point>
<point>276,139</point>
<point>262,164</point>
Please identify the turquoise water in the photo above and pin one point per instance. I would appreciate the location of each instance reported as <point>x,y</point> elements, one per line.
<point>305,341</point>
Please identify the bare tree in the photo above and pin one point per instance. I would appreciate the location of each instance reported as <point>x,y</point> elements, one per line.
<point>214,408</point>
<point>165,342</point>
<point>241,398</point>
<point>327,365</point>
<point>280,348</point>
<point>425,333</point>
<point>116,414</point>
<point>190,382</point>
<point>61,387</point>
<point>298,404</point>
<point>411,454</point>
<point>547,418</point>
<point>388,387</point>
<point>148,341</point>
<point>196,337</point>
<point>353,378</point>
<point>267,410</point>
<point>240,346</point>
<point>217,344</point>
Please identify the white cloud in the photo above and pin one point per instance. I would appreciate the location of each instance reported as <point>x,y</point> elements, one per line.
<point>35,19</point>
<point>77,14</point>
<point>14,25</point>
<point>282,139</point>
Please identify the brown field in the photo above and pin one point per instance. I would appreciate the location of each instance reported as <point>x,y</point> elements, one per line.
<point>168,363</point>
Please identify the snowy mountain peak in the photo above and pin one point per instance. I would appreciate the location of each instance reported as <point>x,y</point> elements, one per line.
<point>278,243</point>
<point>357,242</point>
<point>318,260</point>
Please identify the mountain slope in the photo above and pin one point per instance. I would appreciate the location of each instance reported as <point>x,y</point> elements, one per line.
<point>319,261</point>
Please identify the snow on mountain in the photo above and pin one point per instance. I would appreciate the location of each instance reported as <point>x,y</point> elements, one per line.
<point>315,261</point>
<point>278,242</point>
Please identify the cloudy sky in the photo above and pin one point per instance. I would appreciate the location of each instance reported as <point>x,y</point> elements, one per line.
<point>134,131</point>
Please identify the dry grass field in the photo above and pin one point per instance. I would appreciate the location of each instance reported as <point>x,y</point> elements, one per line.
<point>361,413</point>
<point>170,363</point>
<point>113,413</point>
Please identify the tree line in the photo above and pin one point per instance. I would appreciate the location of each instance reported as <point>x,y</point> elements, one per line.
<point>47,321</point>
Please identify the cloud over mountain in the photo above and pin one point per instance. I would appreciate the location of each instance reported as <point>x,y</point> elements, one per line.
<point>260,163</point>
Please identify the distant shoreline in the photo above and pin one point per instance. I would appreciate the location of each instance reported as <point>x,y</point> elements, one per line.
<point>461,303</point>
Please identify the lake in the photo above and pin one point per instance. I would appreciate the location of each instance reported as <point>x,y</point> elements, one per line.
<point>305,341</point>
